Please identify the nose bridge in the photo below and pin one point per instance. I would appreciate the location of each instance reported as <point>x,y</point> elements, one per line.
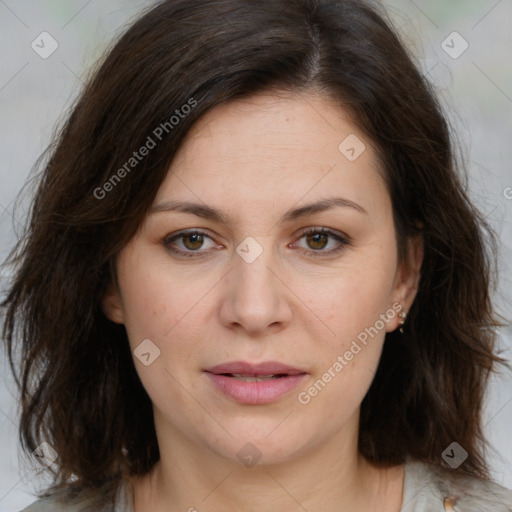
<point>253,262</point>
<point>255,295</point>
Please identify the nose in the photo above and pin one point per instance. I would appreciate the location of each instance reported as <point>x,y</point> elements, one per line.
<point>256,297</point>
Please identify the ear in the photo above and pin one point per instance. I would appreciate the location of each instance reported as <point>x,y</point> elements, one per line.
<point>111,305</point>
<point>407,278</point>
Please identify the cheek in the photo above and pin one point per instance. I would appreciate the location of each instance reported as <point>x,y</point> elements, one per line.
<point>350,304</point>
<point>348,357</point>
<point>156,311</point>
<point>156,302</point>
<point>354,296</point>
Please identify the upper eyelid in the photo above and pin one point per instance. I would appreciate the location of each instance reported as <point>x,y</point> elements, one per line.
<point>340,236</point>
<point>302,232</point>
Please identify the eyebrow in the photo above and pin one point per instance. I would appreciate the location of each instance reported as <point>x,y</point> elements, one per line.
<point>208,212</point>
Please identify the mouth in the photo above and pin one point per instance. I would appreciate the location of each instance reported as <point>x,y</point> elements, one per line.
<point>263,370</point>
<point>253,378</point>
<point>255,384</point>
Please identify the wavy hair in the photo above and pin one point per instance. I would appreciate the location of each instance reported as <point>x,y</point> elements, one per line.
<point>79,390</point>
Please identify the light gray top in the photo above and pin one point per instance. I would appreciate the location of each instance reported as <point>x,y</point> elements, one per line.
<point>426,488</point>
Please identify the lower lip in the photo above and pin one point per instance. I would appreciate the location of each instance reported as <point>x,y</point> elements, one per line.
<point>255,393</point>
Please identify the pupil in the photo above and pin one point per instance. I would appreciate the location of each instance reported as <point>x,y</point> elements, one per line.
<point>316,239</point>
<point>196,239</point>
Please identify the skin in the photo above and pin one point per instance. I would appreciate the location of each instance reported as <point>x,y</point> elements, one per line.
<point>255,159</point>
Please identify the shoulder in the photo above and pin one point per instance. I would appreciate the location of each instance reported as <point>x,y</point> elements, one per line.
<point>62,503</point>
<point>428,488</point>
<point>85,501</point>
<point>58,503</point>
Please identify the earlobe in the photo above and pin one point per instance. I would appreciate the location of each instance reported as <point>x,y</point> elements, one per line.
<point>112,307</point>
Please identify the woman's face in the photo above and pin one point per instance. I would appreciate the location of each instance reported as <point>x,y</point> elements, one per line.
<point>254,286</point>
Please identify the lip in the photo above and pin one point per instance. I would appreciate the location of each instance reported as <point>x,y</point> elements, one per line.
<point>255,393</point>
<point>252,369</point>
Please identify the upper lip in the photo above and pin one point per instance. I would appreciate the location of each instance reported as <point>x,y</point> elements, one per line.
<point>253,369</point>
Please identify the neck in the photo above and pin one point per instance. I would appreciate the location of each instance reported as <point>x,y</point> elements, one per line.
<point>330,476</point>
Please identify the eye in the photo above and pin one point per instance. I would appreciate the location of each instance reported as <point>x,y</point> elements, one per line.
<point>317,239</point>
<point>192,241</point>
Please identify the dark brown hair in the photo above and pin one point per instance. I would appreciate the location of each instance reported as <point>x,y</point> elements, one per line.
<point>79,390</point>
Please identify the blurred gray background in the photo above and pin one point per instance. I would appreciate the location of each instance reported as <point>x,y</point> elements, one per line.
<point>462,46</point>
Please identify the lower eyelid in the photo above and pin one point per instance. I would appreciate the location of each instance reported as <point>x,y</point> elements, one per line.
<point>343,240</point>
<point>168,241</point>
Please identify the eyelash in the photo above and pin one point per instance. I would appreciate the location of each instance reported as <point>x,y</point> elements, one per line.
<point>343,240</point>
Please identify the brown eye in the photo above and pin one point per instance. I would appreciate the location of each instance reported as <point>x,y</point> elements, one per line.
<point>196,241</point>
<point>317,241</point>
<point>188,243</point>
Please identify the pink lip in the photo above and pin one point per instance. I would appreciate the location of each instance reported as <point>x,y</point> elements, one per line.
<point>254,393</point>
<point>251,369</point>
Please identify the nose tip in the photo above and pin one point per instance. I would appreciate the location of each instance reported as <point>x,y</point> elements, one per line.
<point>255,298</point>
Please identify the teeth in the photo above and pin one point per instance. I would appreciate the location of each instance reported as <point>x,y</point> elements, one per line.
<point>256,378</point>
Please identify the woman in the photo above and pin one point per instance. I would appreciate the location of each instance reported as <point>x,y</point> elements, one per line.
<point>249,276</point>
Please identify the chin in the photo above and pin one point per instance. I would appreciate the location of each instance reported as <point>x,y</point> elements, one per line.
<point>265,450</point>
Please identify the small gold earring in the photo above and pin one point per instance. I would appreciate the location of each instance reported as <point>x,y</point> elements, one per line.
<point>449,503</point>
<point>401,321</point>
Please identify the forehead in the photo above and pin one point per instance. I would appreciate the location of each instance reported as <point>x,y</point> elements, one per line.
<point>271,147</point>
<point>276,122</point>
